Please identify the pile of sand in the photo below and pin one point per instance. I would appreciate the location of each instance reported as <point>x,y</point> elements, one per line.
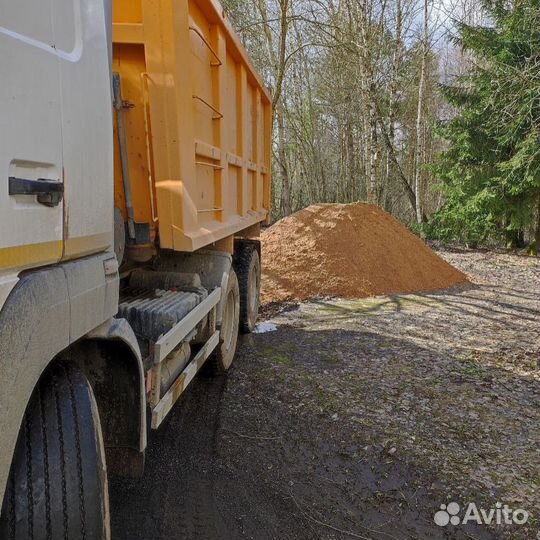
<point>349,251</point>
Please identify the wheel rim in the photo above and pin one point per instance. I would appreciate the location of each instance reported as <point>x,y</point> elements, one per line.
<point>228,322</point>
<point>254,281</point>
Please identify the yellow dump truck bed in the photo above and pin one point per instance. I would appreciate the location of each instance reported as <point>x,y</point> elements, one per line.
<point>195,129</point>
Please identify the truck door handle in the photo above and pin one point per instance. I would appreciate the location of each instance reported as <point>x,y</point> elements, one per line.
<point>49,192</point>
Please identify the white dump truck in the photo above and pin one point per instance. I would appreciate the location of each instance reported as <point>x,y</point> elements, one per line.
<point>134,176</point>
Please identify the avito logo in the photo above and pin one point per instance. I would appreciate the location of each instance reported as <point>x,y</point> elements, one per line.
<point>449,514</point>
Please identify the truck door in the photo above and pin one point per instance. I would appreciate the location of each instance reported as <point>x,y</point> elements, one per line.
<point>31,179</point>
<point>82,35</point>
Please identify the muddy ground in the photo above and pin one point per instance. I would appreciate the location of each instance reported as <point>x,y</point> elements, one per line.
<point>358,420</point>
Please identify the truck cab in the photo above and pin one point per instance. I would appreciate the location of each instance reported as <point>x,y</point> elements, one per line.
<point>135,172</point>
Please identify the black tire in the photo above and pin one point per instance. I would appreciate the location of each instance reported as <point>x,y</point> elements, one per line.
<point>57,488</point>
<point>247,264</point>
<point>222,358</point>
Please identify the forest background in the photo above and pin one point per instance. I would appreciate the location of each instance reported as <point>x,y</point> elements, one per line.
<point>429,109</point>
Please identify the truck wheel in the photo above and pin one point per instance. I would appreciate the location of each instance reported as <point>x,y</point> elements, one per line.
<point>221,359</point>
<point>57,486</point>
<point>248,267</point>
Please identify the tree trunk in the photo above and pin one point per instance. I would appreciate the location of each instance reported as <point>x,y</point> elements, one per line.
<point>393,90</point>
<point>537,232</point>
<point>373,158</point>
<point>419,122</point>
<point>283,167</point>
<point>369,106</point>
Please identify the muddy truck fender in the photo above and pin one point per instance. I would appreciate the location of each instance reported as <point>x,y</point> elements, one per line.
<point>65,314</point>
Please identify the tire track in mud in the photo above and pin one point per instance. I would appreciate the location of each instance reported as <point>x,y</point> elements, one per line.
<point>244,462</point>
<point>189,506</point>
<point>175,498</point>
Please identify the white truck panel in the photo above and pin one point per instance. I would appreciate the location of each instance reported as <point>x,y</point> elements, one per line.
<point>30,132</point>
<point>86,126</point>
<point>7,282</point>
<point>55,124</point>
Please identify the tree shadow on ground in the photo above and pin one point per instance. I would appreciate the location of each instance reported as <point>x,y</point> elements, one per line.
<point>460,300</point>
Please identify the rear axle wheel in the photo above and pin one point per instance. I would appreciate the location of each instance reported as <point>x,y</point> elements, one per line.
<point>221,359</point>
<point>247,264</point>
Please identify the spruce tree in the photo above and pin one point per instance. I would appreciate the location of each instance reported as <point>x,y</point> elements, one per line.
<point>490,173</point>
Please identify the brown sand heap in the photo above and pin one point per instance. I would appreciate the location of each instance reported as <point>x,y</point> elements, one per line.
<point>349,251</point>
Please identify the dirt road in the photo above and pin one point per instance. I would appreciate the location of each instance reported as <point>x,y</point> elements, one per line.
<point>358,420</point>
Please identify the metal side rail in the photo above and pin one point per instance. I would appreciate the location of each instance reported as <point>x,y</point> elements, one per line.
<point>166,403</point>
<point>166,343</point>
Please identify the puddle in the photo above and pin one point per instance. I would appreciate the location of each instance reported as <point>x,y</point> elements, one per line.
<point>264,327</point>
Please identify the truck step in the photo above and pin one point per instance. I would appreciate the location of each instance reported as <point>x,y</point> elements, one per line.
<point>160,411</point>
